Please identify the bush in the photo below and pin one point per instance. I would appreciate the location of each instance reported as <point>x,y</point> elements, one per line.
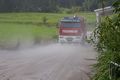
<point>70,10</point>
<point>107,41</point>
<point>44,20</point>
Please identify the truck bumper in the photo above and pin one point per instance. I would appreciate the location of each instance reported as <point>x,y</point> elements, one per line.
<point>70,39</point>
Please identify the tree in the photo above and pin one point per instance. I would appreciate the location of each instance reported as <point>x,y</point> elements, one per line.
<point>49,5</point>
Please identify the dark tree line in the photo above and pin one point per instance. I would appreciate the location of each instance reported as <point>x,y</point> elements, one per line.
<point>49,5</point>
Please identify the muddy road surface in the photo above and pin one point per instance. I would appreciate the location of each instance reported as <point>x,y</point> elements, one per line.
<point>52,62</point>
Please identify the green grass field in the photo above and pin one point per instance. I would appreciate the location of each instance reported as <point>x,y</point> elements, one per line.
<point>37,17</point>
<point>14,26</point>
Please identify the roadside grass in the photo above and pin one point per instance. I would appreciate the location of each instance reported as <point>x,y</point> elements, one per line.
<point>16,35</point>
<point>26,26</point>
<point>9,31</point>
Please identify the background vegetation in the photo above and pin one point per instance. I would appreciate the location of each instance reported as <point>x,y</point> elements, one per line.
<point>51,5</point>
<point>9,20</point>
<point>34,27</point>
<point>106,39</point>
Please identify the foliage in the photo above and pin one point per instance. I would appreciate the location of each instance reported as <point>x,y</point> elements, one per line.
<point>116,5</point>
<point>106,39</point>
<point>75,9</point>
<point>48,5</point>
<point>44,19</point>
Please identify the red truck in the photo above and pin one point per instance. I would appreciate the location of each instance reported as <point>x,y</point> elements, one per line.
<point>72,30</point>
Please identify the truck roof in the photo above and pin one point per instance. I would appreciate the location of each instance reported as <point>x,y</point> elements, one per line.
<point>71,19</point>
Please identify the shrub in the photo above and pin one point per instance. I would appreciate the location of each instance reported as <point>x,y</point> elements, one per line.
<point>44,19</point>
<point>107,41</point>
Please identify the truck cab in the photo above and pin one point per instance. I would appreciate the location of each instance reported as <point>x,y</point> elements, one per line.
<point>72,30</point>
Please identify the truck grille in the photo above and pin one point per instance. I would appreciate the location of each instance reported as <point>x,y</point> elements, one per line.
<point>69,39</point>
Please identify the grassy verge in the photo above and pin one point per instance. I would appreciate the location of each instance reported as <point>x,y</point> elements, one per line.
<point>12,32</point>
<point>24,23</point>
<point>27,26</point>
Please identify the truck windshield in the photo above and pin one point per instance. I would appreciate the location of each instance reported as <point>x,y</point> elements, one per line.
<point>70,25</point>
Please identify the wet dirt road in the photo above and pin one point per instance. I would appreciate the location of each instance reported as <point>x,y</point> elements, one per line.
<point>52,62</point>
